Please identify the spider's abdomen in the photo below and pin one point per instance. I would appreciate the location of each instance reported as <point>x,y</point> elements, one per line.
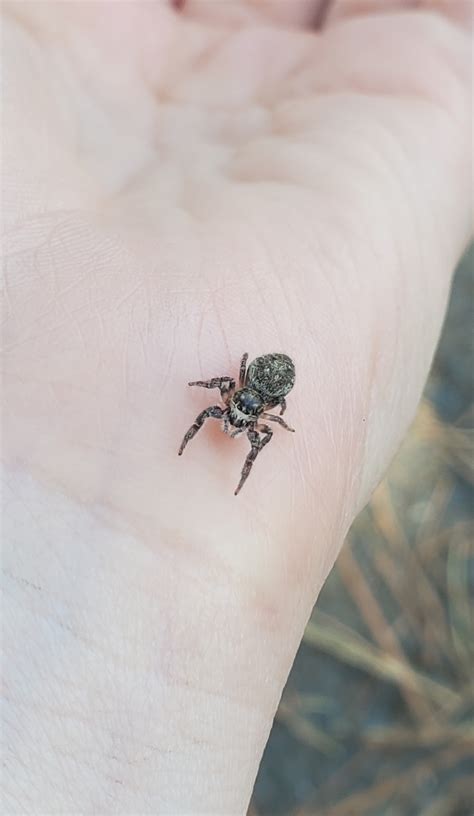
<point>272,376</point>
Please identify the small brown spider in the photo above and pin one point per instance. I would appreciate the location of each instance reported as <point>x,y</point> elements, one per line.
<point>263,385</point>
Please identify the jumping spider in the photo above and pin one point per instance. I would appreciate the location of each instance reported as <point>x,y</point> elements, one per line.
<point>262,386</point>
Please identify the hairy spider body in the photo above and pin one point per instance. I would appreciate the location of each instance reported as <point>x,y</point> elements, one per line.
<point>243,405</point>
<point>262,386</point>
<point>272,376</point>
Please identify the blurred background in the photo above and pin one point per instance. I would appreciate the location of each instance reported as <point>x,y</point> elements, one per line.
<point>377,718</point>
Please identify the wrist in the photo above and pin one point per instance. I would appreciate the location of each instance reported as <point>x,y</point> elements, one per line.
<point>155,675</point>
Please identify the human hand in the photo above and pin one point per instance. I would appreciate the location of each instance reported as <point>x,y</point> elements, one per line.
<point>179,190</point>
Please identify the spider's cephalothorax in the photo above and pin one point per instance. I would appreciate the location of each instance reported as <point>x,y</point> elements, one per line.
<point>244,406</point>
<point>262,386</point>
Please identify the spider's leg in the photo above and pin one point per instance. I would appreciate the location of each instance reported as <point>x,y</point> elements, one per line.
<point>257,443</point>
<point>224,384</point>
<point>279,401</point>
<point>243,366</point>
<point>279,420</point>
<point>214,411</point>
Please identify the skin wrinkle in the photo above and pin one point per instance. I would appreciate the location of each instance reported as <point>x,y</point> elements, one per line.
<point>213,564</point>
<point>46,243</point>
<point>260,288</point>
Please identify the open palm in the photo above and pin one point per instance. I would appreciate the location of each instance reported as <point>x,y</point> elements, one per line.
<point>178,190</point>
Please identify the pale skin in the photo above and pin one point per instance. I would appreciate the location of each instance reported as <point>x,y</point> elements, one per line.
<point>179,189</point>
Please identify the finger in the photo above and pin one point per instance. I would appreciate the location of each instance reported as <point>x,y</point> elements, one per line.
<point>245,12</point>
<point>313,13</point>
<point>460,11</point>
